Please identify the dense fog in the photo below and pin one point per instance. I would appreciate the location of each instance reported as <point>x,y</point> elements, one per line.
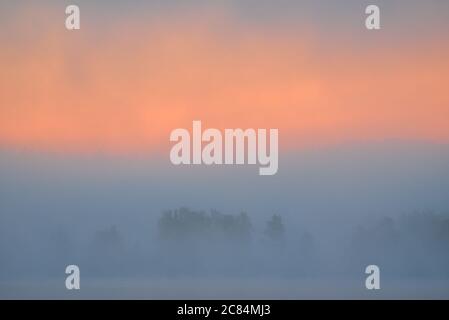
<point>155,230</point>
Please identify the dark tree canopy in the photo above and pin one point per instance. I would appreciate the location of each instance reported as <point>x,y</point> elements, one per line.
<point>184,224</point>
<point>275,228</point>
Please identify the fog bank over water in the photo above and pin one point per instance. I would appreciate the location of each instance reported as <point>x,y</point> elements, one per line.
<point>324,216</point>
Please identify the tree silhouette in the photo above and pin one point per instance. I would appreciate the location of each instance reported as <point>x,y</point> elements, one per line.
<point>275,228</point>
<point>186,224</point>
<point>108,240</point>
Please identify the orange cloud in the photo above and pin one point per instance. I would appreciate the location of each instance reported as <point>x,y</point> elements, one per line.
<point>126,85</point>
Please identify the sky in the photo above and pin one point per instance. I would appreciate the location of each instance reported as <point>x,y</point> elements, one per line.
<point>86,116</point>
<point>136,71</point>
